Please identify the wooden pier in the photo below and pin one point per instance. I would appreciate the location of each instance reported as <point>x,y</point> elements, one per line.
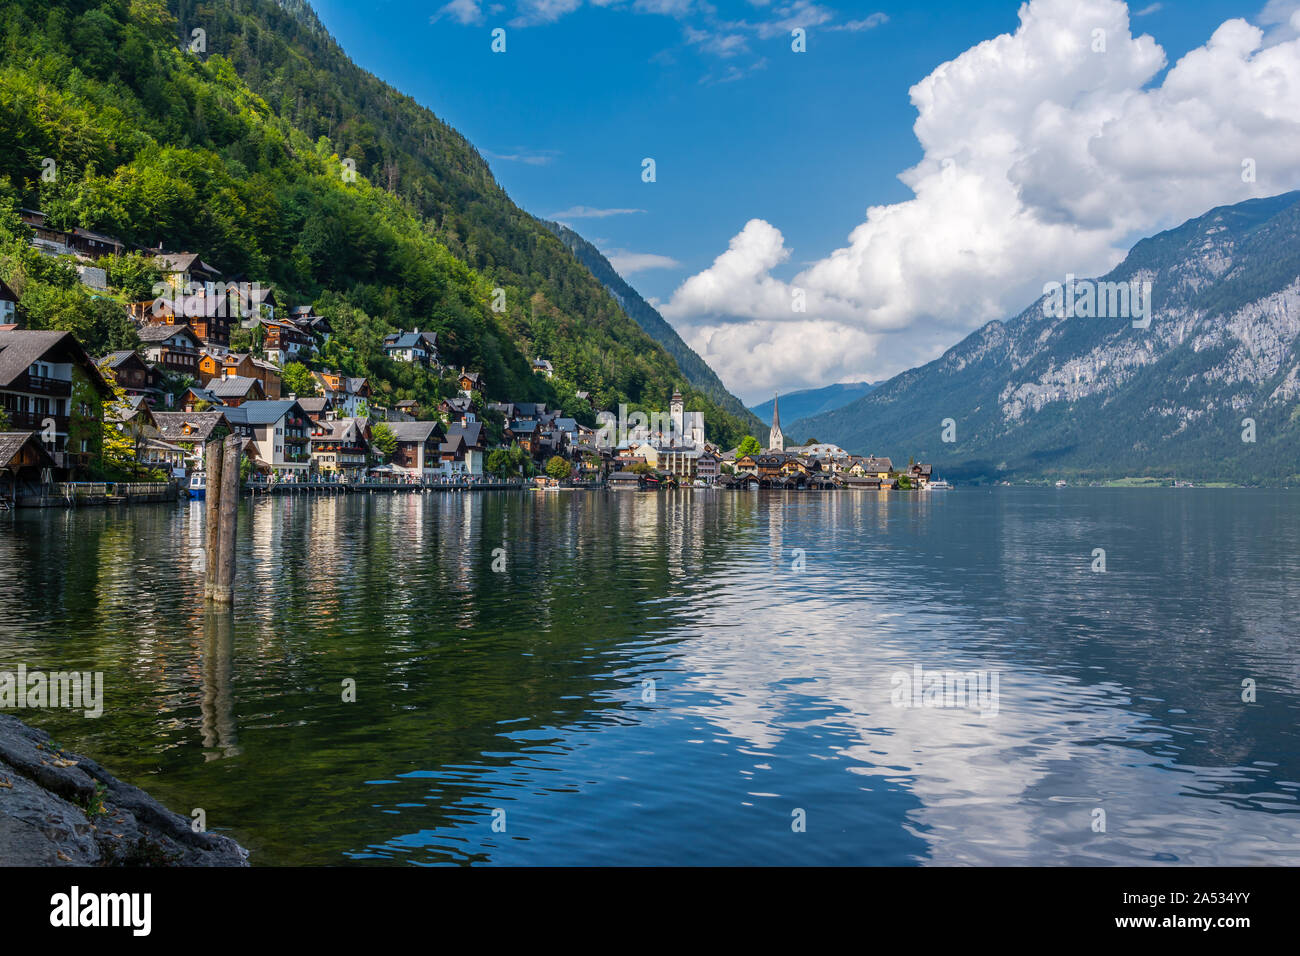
<point>79,494</point>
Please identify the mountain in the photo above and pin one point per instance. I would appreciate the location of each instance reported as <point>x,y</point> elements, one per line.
<point>695,369</point>
<point>264,149</point>
<point>1094,398</point>
<point>811,401</point>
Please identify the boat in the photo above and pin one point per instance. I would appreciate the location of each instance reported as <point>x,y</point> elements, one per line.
<point>939,485</point>
<point>1061,483</point>
<point>199,485</point>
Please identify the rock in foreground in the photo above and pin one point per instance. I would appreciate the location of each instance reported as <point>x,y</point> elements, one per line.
<point>61,809</point>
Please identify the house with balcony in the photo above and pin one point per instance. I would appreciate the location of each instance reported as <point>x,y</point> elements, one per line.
<point>282,342</point>
<point>419,448</point>
<point>340,446</point>
<point>172,348</point>
<point>206,311</point>
<point>308,322</point>
<point>416,347</point>
<point>471,382</point>
<point>464,449</point>
<point>279,435</point>
<point>318,409</point>
<point>48,384</point>
<point>132,374</point>
<point>350,396</point>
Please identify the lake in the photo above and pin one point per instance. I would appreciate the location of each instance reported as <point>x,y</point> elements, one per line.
<point>693,677</point>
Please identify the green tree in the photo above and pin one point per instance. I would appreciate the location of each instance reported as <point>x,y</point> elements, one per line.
<point>383,439</point>
<point>132,274</point>
<point>749,445</point>
<point>297,379</point>
<point>498,463</point>
<point>558,468</point>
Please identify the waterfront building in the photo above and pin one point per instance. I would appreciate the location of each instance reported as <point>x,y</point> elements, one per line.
<point>278,432</point>
<point>419,448</point>
<point>49,384</point>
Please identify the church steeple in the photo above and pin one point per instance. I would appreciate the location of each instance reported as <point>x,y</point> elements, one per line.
<point>775,440</point>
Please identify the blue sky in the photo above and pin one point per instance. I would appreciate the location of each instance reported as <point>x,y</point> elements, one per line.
<point>743,129</point>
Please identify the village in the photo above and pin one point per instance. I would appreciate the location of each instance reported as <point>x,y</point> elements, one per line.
<point>211,362</point>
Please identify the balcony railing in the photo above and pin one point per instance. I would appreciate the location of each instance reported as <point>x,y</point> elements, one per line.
<point>35,421</point>
<point>41,385</point>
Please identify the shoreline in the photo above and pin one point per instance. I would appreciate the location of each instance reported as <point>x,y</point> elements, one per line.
<point>58,808</point>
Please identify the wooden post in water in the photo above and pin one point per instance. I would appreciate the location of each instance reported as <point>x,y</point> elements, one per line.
<point>224,592</point>
<point>212,514</point>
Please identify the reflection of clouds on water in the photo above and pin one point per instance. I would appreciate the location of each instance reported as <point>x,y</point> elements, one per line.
<point>1014,788</point>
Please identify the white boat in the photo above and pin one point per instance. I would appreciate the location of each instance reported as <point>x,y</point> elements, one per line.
<point>1061,483</point>
<point>939,485</point>
<point>199,485</point>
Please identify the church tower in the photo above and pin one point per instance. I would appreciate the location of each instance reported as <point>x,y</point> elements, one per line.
<point>676,410</point>
<point>776,441</point>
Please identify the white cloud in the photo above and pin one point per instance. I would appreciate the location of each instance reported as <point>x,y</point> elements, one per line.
<point>464,12</point>
<point>542,157</point>
<point>1041,157</point>
<point>626,263</point>
<point>866,23</point>
<point>591,212</point>
<point>1147,11</point>
<point>533,12</point>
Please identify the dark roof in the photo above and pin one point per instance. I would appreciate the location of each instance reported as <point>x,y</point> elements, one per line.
<point>524,427</point>
<point>237,416</point>
<point>407,403</point>
<point>415,431</point>
<point>6,293</point>
<point>114,359</point>
<point>11,443</point>
<point>183,262</point>
<point>203,395</point>
<point>314,404</point>
<point>234,386</point>
<point>171,425</point>
<point>411,340</point>
<point>160,331</point>
<point>471,432</point>
<point>20,348</point>
<point>268,412</point>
